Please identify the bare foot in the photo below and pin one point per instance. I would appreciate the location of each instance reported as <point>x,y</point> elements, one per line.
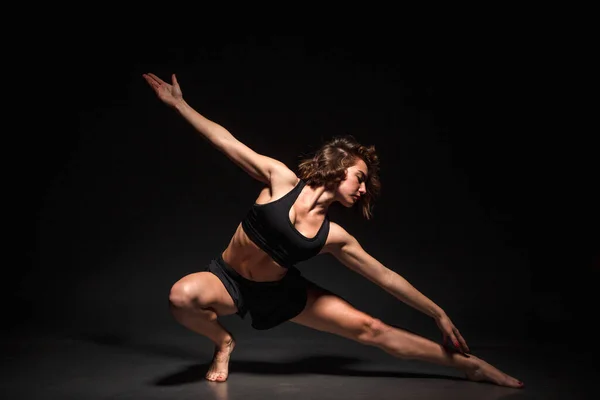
<point>219,369</point>
<point>482,371</point>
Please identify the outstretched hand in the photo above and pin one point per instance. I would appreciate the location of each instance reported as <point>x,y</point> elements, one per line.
<point>170,94</point>
<point>451,335</point>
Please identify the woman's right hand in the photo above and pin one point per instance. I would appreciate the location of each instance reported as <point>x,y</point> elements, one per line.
<point>170,94</point>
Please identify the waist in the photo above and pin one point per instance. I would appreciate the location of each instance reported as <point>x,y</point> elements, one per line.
<point>252,274</point>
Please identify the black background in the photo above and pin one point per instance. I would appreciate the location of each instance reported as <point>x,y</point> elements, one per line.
<point>488,172</point>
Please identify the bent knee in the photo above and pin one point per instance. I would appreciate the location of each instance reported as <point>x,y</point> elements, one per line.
<point>185,294</point>
<point>371,330</point>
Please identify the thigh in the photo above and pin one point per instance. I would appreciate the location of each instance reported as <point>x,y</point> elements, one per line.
<point>205,290</point>
<point>328,312</point>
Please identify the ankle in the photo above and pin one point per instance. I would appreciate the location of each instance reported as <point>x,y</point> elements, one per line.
<point>226,341</point>
<point>469,365</point>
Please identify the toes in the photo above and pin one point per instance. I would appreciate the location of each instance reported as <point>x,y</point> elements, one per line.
<point>212,376</point>
<point>519,384</point>
<point>216,377</point>
<point>512,382</point>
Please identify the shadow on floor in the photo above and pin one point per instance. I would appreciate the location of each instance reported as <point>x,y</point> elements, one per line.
<point>322,365</point>
<point>314,364</point>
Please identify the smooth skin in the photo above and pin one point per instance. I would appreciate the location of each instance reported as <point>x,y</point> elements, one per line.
<point>199,299</point>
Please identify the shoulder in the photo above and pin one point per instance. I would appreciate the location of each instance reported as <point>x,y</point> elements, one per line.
<point>281,181</point>
<point>281,175</point>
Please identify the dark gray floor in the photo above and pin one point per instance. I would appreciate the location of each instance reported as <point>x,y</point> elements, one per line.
<point>289,362</point>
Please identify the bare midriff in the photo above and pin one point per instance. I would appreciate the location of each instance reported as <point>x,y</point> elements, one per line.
<point>249,260</point>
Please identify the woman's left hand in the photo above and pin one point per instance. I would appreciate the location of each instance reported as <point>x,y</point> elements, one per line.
<point>451,333</point>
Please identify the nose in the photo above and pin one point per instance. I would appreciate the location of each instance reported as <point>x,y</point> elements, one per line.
<point>362,189</point>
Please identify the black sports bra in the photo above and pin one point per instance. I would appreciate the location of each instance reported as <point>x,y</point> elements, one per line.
<point>269,226</point>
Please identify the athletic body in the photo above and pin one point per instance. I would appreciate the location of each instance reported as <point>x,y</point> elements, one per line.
<point>199,299</point>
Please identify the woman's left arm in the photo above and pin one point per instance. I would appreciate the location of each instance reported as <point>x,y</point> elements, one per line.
<point>353,256</point>
<point>345,248</point>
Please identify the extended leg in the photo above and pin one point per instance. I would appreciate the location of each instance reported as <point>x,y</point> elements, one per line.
<point>329,313</point>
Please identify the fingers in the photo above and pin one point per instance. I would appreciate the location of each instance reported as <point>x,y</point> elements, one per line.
<point>154,81</point>
<point>155,78</point>
<point>458,344</point>
<point>459,340</point>
<point>174,80</point>
<point>462,341</point>
<point>154,84</point>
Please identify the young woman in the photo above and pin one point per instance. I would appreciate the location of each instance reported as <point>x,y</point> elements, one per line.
<point>288,223</point>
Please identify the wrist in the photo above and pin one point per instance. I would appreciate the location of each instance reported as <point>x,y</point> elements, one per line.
<point>180,106</point>
<point>438,313</point>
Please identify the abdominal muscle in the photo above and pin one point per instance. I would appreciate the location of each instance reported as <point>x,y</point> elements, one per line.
<point>249,260</point>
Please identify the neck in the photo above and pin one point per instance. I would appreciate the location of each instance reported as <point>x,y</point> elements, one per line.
<point>316,200</point>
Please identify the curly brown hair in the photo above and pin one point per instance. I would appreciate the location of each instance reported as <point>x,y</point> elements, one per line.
<point>328,167</point>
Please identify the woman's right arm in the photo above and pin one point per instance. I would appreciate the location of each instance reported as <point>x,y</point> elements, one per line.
<point>258,166</point>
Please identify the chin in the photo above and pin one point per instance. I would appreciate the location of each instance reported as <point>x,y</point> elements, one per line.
<point>350,204</point>
<point>346,204</point>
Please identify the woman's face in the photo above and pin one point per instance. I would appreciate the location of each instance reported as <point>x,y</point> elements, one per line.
<point>354,185</point>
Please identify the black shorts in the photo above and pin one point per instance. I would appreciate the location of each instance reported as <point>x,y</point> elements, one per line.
<point>269,303</point>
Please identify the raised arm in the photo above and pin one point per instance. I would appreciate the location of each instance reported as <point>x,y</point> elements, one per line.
<point>258,166</point>
<point>344,247</point>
